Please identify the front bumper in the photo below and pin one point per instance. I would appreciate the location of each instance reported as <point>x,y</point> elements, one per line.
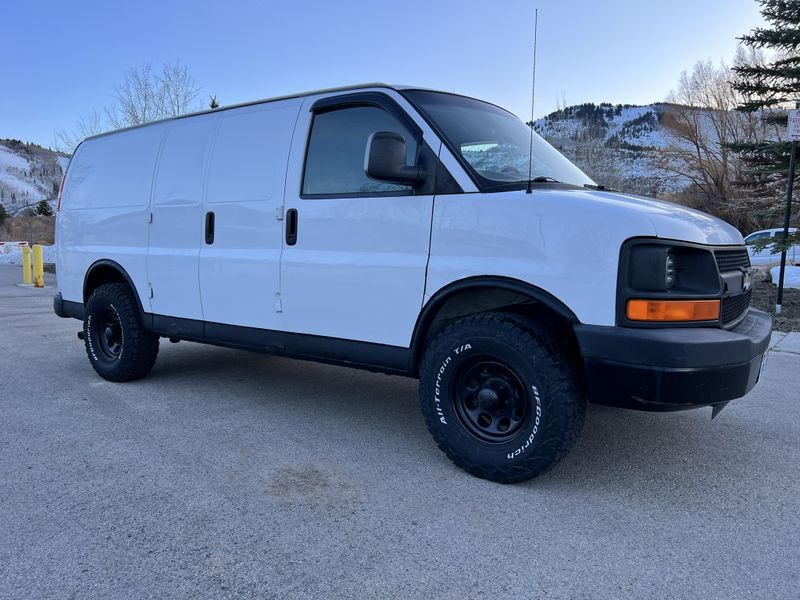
<point>673,368</point>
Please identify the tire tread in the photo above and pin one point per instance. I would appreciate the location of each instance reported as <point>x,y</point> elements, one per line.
<point>562,380</point>
<point>140,347</point>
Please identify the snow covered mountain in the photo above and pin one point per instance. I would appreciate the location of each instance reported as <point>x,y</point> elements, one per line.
<point>28,174</point>
<point>617,145</point>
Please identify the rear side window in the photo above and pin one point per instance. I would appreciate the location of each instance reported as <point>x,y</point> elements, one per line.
<point>336,148</point>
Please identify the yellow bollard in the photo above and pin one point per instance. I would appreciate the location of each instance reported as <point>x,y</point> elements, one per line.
<point>26,265</point>
<point>38,266</point>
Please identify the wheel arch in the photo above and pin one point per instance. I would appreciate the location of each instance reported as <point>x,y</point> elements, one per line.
<point>106,271</point>
<point>482,294</point>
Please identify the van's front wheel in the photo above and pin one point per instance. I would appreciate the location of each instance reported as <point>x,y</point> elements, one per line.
<point>118,345</point>
<point>500,397</point>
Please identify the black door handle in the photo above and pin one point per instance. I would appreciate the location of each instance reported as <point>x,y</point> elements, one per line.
<point>291,227</point>
<point>209,228</point>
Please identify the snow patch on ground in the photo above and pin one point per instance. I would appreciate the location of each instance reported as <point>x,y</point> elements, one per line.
<point>791,278</point>
<point>12,255</point>
<point>19,186</point>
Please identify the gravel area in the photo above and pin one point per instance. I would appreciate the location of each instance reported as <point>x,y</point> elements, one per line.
<point>765,295</point>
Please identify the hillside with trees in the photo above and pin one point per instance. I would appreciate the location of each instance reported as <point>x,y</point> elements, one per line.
<point>28,174</point>
<point>620,146</point>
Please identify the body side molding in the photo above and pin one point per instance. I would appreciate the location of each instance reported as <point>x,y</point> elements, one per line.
<point>370,356</point>
<point>379,358</point>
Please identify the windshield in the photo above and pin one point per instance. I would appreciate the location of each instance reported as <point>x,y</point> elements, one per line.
<point>494,143</point>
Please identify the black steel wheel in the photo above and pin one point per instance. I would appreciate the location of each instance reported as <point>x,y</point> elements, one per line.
<point>109,333</point>
<point>490,399</point>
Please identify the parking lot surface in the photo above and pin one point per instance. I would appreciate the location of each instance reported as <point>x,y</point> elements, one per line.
<point>226,474</point>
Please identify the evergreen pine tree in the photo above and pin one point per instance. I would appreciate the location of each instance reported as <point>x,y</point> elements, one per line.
<point>43,209</point>
<point>769,88</point>
<point>3,214</point>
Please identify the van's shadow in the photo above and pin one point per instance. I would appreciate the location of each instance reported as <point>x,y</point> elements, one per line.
<point>618,449</point>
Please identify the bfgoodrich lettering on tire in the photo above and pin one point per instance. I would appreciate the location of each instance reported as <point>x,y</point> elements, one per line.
<point>500,396</point>
<point>118,346</point>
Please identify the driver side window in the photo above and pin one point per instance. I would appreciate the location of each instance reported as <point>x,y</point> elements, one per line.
<point>336,148</point>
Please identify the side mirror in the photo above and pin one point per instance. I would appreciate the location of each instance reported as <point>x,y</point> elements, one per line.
<point>385,160</point>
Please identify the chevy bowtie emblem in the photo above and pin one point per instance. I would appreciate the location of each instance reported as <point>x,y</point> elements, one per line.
<point>747,279</point>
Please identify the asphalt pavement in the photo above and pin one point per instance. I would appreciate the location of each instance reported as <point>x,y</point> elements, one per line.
<point>227,474</point>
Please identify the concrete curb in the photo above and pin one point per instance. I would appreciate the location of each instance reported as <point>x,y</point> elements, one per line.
<point>785,342</point>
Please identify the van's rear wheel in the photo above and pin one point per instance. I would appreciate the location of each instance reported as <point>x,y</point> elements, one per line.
<point>501,397</point>
<point>118,345</point>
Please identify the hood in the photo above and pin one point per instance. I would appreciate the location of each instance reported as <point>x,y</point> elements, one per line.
<point>672,221</point>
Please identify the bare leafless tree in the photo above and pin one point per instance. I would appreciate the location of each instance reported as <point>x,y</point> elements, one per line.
<point>137,99</point>
<point>86,126</point>
<point>178,90</point>
<point>146,96</point>
<point>143,96</point>
<point>561,101</point>
<point>703,124</point>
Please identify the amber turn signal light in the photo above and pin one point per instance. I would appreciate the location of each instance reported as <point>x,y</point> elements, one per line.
<point>673,310</point>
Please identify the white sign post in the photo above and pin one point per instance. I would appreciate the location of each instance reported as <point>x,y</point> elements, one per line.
<point>793,131</point>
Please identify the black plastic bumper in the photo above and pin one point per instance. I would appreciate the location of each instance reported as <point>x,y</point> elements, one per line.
<point>67,309</point>
<point>673,369</point>
<point>58,305</point>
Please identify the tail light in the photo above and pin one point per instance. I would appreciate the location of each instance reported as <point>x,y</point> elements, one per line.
<point>60,192</point>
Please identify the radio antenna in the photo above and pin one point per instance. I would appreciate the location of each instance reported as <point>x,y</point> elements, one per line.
<point>533,100</point>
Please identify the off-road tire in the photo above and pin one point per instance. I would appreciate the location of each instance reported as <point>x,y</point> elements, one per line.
<point>539,362</point>
<point>130,351</point>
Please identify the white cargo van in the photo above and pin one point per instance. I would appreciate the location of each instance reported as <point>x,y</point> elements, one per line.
<point>397,229</point>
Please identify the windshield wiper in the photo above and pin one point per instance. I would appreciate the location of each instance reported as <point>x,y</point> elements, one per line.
<point>540,179</point>
<point>599,188</point>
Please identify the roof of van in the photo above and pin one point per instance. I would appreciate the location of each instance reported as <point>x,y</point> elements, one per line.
<point>262,101</point>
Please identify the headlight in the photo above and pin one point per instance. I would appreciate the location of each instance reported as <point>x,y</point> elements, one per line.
<point>652,268</point>
<point>669,269</point>
<point>663,279</point>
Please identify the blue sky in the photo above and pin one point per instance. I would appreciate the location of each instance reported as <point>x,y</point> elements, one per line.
<point>62,59</point>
